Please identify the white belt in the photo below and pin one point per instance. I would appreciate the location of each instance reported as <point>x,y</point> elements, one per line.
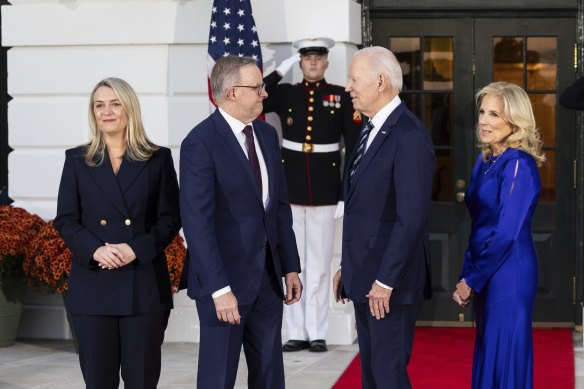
<point>309,147</point>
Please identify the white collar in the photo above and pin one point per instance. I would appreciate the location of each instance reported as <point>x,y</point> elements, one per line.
<point>236,126</point>
<point>381,116</point>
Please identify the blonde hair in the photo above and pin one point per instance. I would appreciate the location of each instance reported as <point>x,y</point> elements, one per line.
<point>517,111</point>
<point>138,146</point>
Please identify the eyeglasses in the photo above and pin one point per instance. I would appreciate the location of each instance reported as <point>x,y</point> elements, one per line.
<point>258,88</point>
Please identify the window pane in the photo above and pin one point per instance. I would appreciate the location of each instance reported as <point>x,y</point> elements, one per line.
<point>541,63</point>
<point>442,185</point>
<point>438,64</point>
<point>438,117</point>
<point>407,52</point>
<point>508,59</point>
<point>544,109</point>
<point>547,172</point>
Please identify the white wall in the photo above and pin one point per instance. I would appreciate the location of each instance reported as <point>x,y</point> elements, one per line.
<point>60,49</point>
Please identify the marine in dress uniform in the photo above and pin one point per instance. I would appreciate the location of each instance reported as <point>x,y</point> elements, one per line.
<point>316,118</point>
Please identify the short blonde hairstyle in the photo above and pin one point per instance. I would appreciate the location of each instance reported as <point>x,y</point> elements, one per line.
<point>517,111</point>
<point>138,146</point>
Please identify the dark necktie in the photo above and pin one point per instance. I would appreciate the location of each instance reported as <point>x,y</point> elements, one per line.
<point>252,156</point>
<point>360,148</point>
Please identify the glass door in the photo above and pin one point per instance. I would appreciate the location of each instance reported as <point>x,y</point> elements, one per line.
<point>538,55</point>
<point>444,61</point>
<point>435,55</point>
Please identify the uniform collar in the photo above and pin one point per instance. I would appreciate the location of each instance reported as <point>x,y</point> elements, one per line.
<point>313,85</point>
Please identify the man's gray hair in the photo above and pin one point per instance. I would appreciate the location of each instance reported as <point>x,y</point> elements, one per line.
<point>225,74</point>
<point>383,61</point>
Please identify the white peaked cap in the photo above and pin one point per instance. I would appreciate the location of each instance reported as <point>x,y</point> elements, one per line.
<point>313,45</point>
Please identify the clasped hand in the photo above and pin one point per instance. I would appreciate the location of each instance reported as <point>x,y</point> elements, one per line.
<point>113,256</point>
<point>462,294</point>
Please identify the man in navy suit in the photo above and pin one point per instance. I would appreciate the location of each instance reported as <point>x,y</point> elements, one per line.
<point>385,266</point>
<point>238,227</point>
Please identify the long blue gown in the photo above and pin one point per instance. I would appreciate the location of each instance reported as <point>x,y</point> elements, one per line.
<point>500,266</point>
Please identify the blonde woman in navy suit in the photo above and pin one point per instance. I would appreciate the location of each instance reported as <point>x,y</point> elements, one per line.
<point>117,211</point>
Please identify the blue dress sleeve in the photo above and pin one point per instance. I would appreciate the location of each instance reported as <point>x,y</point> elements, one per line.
<point>517,195</point>
<point>467,264</point>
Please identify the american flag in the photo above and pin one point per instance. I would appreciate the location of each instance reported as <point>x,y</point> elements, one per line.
<point>232,31</point>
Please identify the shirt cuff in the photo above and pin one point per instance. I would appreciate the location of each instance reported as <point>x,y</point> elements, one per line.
<point>221,292</point>
<point>383,285</point>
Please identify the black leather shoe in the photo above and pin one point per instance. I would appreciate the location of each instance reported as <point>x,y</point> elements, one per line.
<point>295,345</point>
<point>318,346</point>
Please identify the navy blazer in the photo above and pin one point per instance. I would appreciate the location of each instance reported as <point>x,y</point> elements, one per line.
<point>385,226</point>
<point>139,207</point>
<point>226,226</point>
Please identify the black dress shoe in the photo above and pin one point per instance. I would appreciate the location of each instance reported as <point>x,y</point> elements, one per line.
<point>295,345</point>
<point>318,346</point>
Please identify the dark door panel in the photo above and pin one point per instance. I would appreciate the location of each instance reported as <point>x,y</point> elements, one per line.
<point>435,55</point>
<point>444,62</point>
<point>538,54</point>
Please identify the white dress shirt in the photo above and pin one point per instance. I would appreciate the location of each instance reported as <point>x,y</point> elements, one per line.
<point>380,118</point>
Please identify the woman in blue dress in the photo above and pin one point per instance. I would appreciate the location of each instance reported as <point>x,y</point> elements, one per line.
<point>500,264</point>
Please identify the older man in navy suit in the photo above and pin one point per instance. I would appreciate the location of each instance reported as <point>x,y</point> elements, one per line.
<point>385,268</point>
<point>238,226</point>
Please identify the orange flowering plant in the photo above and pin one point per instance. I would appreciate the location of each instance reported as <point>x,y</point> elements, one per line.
<point>175,259</point>
<point>17,229</point>
<point>48,261</point>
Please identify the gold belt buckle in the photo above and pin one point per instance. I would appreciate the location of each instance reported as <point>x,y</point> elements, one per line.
<point>307,147</point>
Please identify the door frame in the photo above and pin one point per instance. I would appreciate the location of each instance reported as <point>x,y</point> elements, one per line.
<point>579,207</point>
<point>508,9</point>
<point>4,99</point>
<point>578,156</point>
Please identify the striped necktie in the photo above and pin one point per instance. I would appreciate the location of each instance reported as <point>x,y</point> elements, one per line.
<point>360,148</point>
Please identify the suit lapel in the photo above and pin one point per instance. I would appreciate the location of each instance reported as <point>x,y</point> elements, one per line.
<point>106,181</point>
<point>373,148</point>
<point>233,149</point>
<point>129,171</point>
